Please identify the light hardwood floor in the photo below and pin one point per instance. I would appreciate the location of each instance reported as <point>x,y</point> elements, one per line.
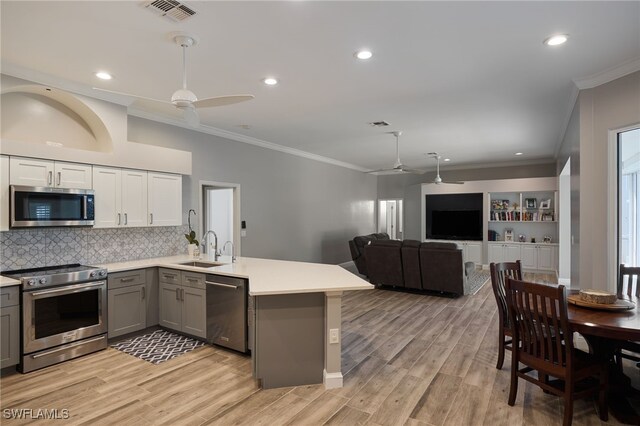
<point>408,359</point>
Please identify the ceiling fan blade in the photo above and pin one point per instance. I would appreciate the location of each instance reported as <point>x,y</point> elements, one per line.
<point>414,171</point>
<point>453,183</point>
<point>130,95</point>
<point>221,101</point>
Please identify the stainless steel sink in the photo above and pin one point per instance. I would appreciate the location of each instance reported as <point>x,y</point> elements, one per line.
<point>201,264</point>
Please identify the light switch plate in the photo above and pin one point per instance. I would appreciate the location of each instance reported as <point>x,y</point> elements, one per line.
<point>334,335</point>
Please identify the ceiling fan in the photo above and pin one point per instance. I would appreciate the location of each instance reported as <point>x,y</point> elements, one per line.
<point>398,167</point>
<point>438,180</point>
<point>183,98</point>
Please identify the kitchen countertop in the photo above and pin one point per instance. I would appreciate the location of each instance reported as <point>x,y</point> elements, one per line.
<point>266,276</point>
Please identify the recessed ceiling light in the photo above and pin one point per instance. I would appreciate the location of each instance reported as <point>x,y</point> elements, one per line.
<point>556,40</point>
<point>103,75</point>
<point>518,153</point>
<point>363,54</point>
<point>270,81</point>
<point>447,160</point>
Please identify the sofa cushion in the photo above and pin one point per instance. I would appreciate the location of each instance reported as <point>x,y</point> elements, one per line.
<point>387,243</point>
<point>439,246</point>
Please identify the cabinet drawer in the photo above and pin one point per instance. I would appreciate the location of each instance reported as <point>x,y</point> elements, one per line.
<point>191,279</point>
<point>170,276</point>
<point>126,279</point>
<point>9,296</point>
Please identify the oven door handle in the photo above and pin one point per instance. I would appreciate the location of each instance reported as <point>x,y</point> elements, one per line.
<point>81,342</point>
<point>69,289</point>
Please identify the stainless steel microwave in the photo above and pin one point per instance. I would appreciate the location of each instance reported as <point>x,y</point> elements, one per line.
<point>33,206</point>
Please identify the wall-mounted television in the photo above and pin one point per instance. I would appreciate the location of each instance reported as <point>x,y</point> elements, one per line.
<point>454,216</point>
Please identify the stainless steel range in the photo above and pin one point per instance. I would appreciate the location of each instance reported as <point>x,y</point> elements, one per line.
<point>64,313</point>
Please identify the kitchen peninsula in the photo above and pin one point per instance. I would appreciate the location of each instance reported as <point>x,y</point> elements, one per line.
<point>296,315</point>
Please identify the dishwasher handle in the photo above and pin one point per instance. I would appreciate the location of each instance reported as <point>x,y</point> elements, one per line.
<point>235,287</point>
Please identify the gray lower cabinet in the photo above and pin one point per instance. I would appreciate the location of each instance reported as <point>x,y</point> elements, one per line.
<point>183,302</point>
<point>127,302</point>
<point>9,326</point>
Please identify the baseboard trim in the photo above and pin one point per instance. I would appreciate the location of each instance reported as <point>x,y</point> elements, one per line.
<point>565,281</point>
<point>331,380</point>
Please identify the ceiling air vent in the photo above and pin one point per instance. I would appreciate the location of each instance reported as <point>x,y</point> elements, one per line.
<point>379,124</point>
<point>171,9</point>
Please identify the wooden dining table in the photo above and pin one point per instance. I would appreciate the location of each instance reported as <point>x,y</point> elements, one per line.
<point>603,331</point>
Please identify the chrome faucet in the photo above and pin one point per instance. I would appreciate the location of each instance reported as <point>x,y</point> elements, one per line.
<point>233,254</point>
<point>216,253</point>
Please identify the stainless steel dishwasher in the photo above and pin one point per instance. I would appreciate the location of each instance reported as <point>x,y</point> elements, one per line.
<point>227,312</point>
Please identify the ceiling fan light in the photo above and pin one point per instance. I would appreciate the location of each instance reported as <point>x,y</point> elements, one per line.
<point>446,160</point>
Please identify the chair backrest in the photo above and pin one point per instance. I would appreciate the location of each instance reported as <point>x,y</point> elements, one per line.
<point>628,284</point>
<point>541,333</point>
<point>499,272</point>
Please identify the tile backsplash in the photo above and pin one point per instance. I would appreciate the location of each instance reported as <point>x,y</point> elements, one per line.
<point>33,248</point>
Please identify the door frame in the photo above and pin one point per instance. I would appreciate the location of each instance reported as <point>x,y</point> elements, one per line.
<point>205,185</point>
<point>613,212</point>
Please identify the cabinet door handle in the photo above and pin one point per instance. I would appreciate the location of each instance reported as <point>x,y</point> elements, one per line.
<point>126,220</point>
<point>177,294</point>
<point>50,178</point>
<point>126,280</point>
<point>59,178</point>
<point>150,218</point>
<point>173,277</point>
<point>182,290</point>
<point>119,219</point>
<point>192,280</point>
<point>144,293</point>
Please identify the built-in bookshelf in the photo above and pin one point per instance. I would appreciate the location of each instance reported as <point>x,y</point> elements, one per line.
<point>524,217</point>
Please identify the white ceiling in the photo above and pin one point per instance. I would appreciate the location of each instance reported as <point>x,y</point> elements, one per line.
<point>471,80</point>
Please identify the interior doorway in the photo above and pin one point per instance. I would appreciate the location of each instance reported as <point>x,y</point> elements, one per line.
<point>390,218</point>
<point>220,207</point>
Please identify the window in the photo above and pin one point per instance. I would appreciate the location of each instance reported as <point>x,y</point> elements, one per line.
<point>629,197</point>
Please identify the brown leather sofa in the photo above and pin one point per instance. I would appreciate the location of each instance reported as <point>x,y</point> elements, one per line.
<point>433,266</point>
<point>357,245</point>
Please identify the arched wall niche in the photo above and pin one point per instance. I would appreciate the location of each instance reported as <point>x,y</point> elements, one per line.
<point>52,117</point>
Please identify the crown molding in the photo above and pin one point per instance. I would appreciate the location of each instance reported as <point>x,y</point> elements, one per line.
<point>608,75</point>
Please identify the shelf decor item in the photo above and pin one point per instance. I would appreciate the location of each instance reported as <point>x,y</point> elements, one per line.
<point>545,204</point>
<point>508,235</point>
<point>522,238</point>
<point>499,204</point>
<point>530,203</point>
<point>546,239</point>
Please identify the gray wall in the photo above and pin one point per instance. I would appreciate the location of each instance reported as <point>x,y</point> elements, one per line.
<point>605,108</point>
<point>295,208</point>
<point>570,148</point>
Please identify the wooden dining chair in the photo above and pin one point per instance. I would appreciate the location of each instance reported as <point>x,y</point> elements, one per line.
<point>499,271</point>
<point>543,341</point>
<point>628,286</point>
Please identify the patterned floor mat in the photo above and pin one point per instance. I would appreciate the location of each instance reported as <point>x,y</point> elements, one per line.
<point>157,347</point>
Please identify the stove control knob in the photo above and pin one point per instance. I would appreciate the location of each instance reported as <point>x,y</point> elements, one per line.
<point>102,273</point>
<point>92,274</point>
<point>43,281</point>
<point>31,282</point>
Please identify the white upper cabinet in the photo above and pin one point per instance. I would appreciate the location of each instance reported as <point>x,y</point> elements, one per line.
<point>29,172</point>
<point>32,172</point>
<point>4,193</point>
<point>73,175</point>
<point>134,198</point>
<point>121,197</point>
<point>107,184</point>
<point>165,199</point>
